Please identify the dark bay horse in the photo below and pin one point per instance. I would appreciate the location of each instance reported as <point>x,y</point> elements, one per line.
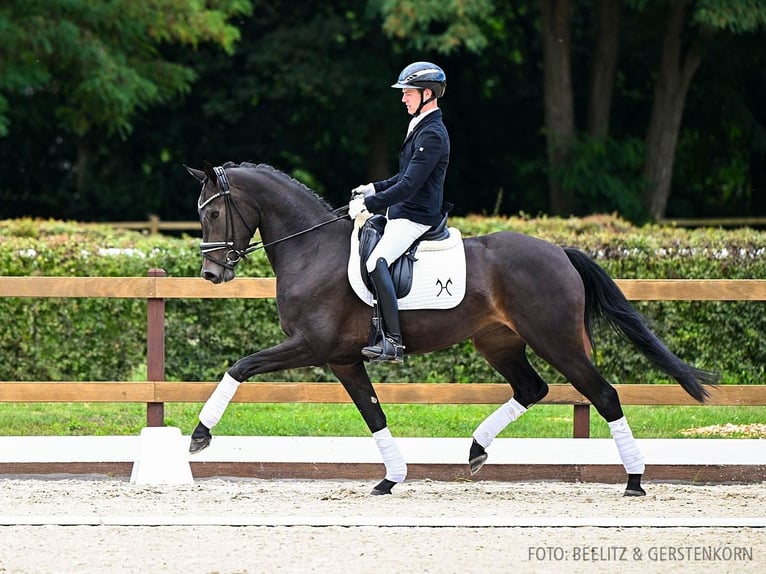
<point>521,292</point>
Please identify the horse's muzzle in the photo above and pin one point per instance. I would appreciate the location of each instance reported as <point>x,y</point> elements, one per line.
<point>218,270</point>
<point>216,274</point>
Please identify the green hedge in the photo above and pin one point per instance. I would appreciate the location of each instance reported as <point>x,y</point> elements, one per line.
<point>104,339</point>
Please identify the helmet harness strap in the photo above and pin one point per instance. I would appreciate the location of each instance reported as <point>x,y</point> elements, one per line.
<point>424,102</point>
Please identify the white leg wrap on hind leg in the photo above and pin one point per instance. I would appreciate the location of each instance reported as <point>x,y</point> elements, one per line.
<point>212,412</point>
<point>396,468</point>
<point>631,456</point>
<point>493,425</point>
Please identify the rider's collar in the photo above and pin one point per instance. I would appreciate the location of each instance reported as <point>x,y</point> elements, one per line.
<point>417,119</point>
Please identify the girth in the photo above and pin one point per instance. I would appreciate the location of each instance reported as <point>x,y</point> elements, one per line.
<point>401,270</point>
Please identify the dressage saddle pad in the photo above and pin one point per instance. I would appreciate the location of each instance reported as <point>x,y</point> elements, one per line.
<point>437,271</point>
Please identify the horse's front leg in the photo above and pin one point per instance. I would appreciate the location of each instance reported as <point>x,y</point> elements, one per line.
<point>289,354</point>
<point>356,381</point>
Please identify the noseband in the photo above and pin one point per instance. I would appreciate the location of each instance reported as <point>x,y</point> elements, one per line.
<point>234,255</point>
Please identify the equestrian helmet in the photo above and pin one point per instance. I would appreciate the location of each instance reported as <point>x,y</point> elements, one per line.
<point>421,75</point>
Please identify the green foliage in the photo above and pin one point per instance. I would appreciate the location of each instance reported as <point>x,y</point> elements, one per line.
<point>4,123</point>
<point>305,87</point>
<point>724,184</point>
<point>55,339</point>
<point>735,16</point>
<point>102,60</point>
<point>441,26</point>
<point>604,176</point>
<point>104,339</point>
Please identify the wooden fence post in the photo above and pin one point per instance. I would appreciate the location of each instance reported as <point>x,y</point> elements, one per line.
<point>581,423</point>
<point>155,351</point>
<point>154,228</point>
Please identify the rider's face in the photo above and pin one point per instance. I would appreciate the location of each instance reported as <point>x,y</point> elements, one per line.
<point>411,99</point>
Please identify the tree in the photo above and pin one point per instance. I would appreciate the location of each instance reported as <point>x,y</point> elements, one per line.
<point>429,26</point>
<point>689,25</point>
<point>97,64</point>
<point>559,99</point>
<point>604,67</point>
<point>306,88</point>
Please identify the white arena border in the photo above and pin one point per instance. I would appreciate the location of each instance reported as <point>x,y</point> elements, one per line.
<point>356,450</point>
<point>385,522</point>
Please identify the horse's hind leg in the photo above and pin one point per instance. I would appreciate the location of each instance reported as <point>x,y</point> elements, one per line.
<point>357,383</point>
<point>592,385</point>
<point>505,351</point>
<point>607,402</point>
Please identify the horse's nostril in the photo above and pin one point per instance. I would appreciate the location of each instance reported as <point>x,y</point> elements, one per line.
<point>209,276</point>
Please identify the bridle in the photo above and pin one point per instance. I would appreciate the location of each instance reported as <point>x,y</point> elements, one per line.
<point>234,255</point>
<point>208,248</point>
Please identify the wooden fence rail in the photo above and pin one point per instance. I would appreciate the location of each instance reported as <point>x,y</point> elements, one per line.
<point>155,225</point>
<point>155,392</point>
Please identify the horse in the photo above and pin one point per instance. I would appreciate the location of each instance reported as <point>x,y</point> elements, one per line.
<point>521,292</point>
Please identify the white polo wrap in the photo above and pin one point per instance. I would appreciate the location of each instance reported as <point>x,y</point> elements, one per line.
<point>493,425</point>
<point>212,412</point>
<point>631,456</point>
<point>396,468</point>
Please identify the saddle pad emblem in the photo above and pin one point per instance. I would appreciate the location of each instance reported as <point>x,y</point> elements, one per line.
<point>438,276</point>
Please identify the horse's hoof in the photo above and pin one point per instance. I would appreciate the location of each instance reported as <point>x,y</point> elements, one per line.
<point>198,444</point>
<point>633,492</point>
<point>633,488</point>
<point>383,487</point>
<point>476,457</point>
<point>477,463</point>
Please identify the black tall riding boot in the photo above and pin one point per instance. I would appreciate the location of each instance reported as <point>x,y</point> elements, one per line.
<point>390,347</point>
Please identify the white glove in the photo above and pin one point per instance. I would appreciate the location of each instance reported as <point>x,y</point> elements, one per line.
<point>365,190</point>
<point>356,206</point>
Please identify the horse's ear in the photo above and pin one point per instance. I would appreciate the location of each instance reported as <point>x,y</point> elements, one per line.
<point>199,175</point>
<point>208,168</point>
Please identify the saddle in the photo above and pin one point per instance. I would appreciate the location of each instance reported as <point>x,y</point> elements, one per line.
<point>401,269</point>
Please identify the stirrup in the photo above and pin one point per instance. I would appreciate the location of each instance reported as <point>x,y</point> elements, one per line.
<point>386,350</point>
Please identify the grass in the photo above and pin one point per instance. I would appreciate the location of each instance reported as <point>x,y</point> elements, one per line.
<point>543,421</point>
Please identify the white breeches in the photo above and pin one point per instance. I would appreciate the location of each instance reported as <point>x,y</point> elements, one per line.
<point>397,238</point>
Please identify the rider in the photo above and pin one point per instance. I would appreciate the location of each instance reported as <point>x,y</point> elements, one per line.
<point>413,197</point>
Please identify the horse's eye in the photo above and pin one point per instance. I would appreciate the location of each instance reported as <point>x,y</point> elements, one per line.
<point>215,215</point>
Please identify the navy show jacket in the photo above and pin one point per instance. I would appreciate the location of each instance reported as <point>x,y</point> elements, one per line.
<point>417,191</point>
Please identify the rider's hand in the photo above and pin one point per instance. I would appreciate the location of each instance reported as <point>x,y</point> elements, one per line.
<point>356,206</point>
<point>365,190</point>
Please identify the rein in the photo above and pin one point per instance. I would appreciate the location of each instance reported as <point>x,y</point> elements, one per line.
<point>260,245</point>
<point>233,255</point>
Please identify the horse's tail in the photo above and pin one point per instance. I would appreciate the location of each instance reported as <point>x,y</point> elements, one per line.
<point>603,299</point>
